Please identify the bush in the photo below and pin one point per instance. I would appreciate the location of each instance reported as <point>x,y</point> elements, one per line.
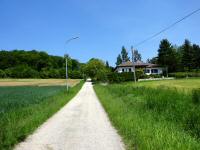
<point>113,77</point>
<point>120,77</point>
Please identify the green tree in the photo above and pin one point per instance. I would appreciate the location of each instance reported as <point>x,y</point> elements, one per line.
<point>96,69</point>
<point>153,60</point>
<point>167,55</point>
<point>119,60</point>
<point>136,56</point>
<point>107,64</point>
<point>187,55</point>
<point>196,50</point>
<point>124,54</point>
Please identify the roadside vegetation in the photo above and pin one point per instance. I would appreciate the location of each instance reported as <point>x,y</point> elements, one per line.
<point>24,108</point>
<point>149,116</point>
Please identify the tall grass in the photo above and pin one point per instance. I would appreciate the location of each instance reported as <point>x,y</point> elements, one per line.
<point>23,109</point>
<point>152,118</point>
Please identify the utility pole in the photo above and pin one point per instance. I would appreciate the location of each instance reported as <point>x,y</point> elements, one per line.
<point>66,72</point>
<point>69,40</point>
<point>132,51</point>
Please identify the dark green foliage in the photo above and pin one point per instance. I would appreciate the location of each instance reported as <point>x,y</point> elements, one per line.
<point>2,74</point>
<point>167,55</point>
<point>23,109</point>
<point>119,60</point>
<point>184,74</point>
<point>196,50</point>
<point>187,55</point>
<point>35,64</point>
<point>183,58</point>
<point>114,77</point>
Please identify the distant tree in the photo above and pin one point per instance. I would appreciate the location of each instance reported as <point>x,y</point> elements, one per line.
<point>167,55</point>
<point>36,64</point>
<point>136,56</point>
<point>119,60</point>
<point>124,54</point>
<point>187,55</point>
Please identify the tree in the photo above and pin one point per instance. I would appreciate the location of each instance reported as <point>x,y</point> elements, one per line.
<point>95,69</point>
<point>196,50</point>
<point>167,55</point>
<point>153,60</point>
<point>136,56</point>
<point>119,60</point>
<point>187,55</point>
<point>107,64</point>
<point>124,54</point>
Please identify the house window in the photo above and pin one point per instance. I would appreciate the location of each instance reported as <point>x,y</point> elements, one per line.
<point>122,70</point>
<point>129,69</point>
<point>154,71</point>
<point>147,71</point>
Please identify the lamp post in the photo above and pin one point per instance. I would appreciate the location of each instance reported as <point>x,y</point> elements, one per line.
<point>69,40</point>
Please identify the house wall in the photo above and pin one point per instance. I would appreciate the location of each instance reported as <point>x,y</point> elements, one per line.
<point>125,69</point>
<point>149,71</point>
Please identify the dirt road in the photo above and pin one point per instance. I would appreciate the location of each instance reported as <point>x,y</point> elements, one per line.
<point>82,124</point>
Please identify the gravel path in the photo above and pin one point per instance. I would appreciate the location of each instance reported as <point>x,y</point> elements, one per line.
<point>82,124</point>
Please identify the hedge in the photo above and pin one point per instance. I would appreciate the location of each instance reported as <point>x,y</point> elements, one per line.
<point>184,74</point>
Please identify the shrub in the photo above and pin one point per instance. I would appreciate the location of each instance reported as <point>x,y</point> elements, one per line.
<point>114,77</point>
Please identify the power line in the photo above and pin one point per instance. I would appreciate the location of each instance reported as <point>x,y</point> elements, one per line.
<point>167,28</point>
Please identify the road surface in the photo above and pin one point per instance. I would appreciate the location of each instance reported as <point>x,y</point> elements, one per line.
<point>82,124</point>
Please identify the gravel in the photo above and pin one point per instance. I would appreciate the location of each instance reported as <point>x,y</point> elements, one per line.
<point>82,124</point>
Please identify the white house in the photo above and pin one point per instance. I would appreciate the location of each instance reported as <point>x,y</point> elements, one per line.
<point>148,67</point>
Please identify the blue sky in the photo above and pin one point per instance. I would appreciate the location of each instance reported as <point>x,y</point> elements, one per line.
<point>103,26</point>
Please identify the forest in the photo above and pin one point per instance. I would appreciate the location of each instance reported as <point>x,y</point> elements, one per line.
<point>37,64</point>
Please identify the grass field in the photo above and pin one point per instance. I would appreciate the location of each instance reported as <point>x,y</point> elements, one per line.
<point>24,108</point>
<point>179,84</point>
<point>154,115</point>
<point>37,82</point>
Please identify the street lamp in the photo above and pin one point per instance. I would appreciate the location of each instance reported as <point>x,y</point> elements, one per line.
<point>69,40</point>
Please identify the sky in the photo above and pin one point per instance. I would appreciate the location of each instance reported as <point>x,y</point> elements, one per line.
<point>103,26</point>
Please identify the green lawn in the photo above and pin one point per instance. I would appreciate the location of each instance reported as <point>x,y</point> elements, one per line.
<point>150,116</point>
<point>24,108</point>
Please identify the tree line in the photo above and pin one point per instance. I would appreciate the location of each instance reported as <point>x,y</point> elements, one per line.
<point>37,64</point>
<point>184,58</point>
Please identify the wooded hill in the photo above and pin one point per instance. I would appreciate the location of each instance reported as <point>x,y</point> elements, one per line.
<point>36,64</point>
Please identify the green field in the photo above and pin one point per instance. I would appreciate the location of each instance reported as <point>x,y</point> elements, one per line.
<point>154,114</point>
<point>24,108</point>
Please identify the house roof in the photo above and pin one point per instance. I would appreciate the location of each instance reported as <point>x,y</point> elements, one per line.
<point>126,64</point>
<point>137,64</point>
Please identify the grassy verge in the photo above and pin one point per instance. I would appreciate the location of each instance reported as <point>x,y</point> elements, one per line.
<point>152,118</point>
<point>23,109</point>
